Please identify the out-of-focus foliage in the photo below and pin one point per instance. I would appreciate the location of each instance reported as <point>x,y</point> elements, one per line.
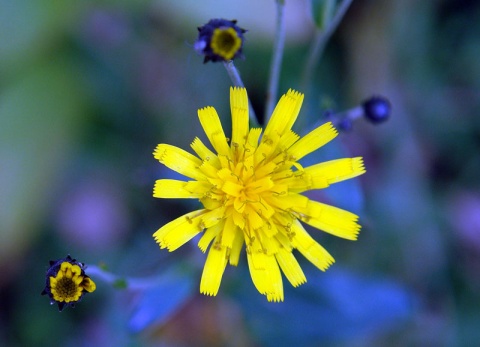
<point>88,89</point>
<point>322,12</point>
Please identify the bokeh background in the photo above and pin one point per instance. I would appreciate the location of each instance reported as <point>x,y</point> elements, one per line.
<point>89,88</point>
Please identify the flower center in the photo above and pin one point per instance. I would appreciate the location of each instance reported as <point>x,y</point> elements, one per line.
<point>66,286</point>
<point>66,290</point>
<point>244,188</point>
<point>225,42</point>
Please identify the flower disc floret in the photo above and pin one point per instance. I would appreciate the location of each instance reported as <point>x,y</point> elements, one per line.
<point>250,188</point>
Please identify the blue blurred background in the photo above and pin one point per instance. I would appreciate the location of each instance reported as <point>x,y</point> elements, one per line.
<point>89,88</point>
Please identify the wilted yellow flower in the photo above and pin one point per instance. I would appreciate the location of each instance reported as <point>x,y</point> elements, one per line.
<point>250,188</point>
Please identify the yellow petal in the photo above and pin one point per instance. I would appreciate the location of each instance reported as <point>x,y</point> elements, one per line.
<point>285,113</point>
<point>213,129</point>
<point>270,229</point>
<point>232,188</point>
<point>89,285</point>
<point>213,270</point>
<point>76,270</point>
<point>179,160</point>
<point>209,235</point>
<point>210,170</point>
<point>290,267</point>
<point>198,188</point>
<point>65,266</point>
<point>266,275</point>
<point>334,171</point>
<point>283,239</point>
<point>270,245</point>
<point>236,249</point>
<point>313,140</point>
<point>265,170</point>
<point>267,147</point>
<point>301,181</point>
<point>260,185</point>
<point>253,218</point>
<point>252,141</point>
<point>288,201</point>
<point>238,219</point>
<point>166,188</point>
<point>211,201</point>
<point>263,209</point>
<point>205,153</point>
<point>230,230</point>
<point>77,279</point>
<point>287,140</point>
<point>213,217</point>
<point>330,219</point>
<point>283,221</point>
<point>239,109</point>
<point>309,248</point>
<point>179,231</point>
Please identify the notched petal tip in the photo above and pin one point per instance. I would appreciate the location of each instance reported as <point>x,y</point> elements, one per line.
<point>275,297</point>
<point>208,293</point>
<point>358,165</point>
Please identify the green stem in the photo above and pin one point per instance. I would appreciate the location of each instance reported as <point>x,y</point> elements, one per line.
<point>319,42</point>
<point>276,64</point>
<point>237,82</point>
<point>120,281</point>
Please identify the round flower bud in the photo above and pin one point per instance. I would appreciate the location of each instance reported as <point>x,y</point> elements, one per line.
<point>377,109</point>
<point>220,40</point>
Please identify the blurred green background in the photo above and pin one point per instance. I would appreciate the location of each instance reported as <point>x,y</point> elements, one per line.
<point>89,88</point>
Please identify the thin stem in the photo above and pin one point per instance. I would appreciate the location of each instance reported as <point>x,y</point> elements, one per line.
<point>237,82</point>
<point>233,74</point>
<point>320,40</point>
<point>339,120</point>
<point>276,64</point>
<point>130,283</point>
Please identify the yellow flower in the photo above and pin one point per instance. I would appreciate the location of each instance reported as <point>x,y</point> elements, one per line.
<point>250,188</point>
<point>66,282</point>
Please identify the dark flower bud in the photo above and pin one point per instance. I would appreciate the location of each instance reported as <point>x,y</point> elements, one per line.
<point>220,40</point>
<point>377,109</point>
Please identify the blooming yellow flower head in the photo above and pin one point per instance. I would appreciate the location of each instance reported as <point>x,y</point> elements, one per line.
<point>66,282</point>
<point>250,188</point>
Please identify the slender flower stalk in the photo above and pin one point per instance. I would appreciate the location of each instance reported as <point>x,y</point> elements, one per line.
<point>123,282</point>
<point>276,64</point>
<point>319,42</point>
<point>251,190</point>
<point>233,74</point>
<point>376,109</point>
